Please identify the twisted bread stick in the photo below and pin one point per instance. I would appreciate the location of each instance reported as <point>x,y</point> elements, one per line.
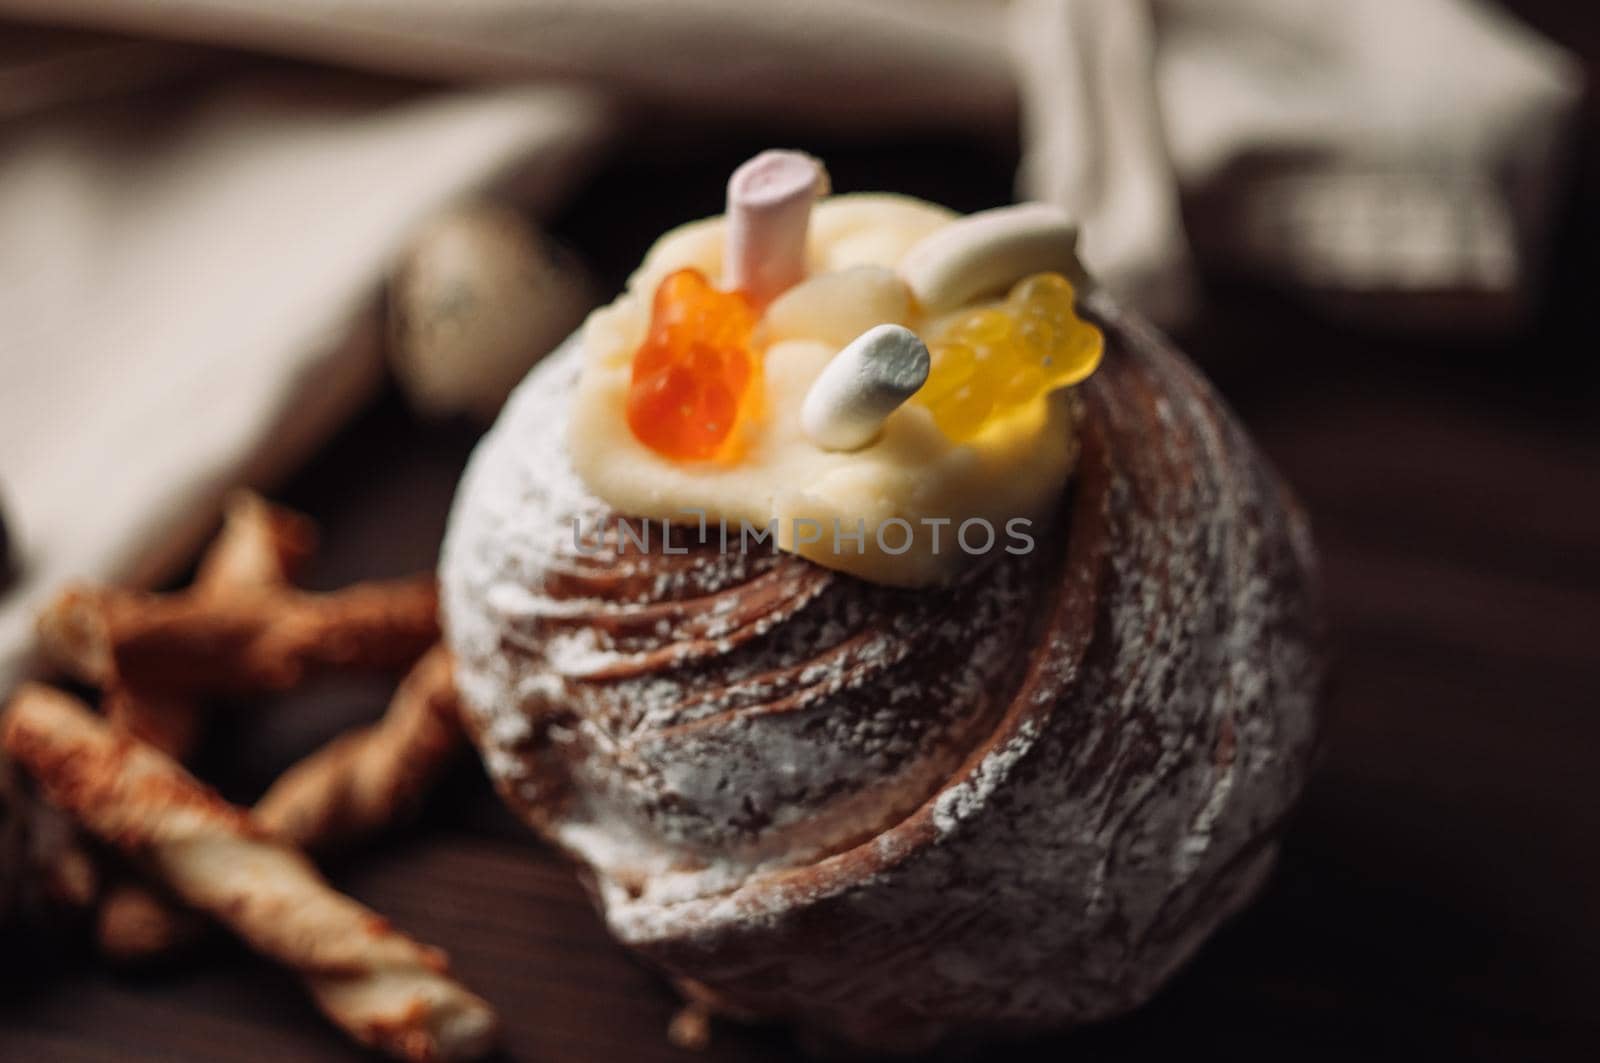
<point>258,549</point>
<point>382,987</point>
<point>202,643</point>
<point>358,784</point>
<point>261,546</point>
<point>364,779</point>
<point>257,552</point>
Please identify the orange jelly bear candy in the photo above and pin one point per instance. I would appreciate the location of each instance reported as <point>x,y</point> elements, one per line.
<point>693,375</point>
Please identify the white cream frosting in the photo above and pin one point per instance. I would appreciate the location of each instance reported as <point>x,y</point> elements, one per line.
<point>1013,472</point>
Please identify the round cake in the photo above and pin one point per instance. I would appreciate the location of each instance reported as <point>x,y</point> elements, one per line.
<point>1006,792</point>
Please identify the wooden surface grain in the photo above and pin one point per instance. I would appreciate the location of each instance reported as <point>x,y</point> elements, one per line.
<point>1438,891</point>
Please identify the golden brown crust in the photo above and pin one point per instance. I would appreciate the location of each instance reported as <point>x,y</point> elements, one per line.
<point>134,924</point>
<point>261,546</point>
<point>362,782</point>
<point>199,644</point>
<point>368,778</point>
<point>385,989</point>
<point>146,648</point>
<point>256,554</point>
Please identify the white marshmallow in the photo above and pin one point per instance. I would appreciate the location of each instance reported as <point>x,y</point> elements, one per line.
<point>769,211</point>
<point>862,385</point>
<point>986,252</point>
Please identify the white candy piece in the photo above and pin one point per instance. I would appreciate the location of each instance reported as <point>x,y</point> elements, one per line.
<point>769,211</point>
<point>986,252</point>
<point>867,381</point>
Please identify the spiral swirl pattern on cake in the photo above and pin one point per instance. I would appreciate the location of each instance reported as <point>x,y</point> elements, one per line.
<point>1019,801</point>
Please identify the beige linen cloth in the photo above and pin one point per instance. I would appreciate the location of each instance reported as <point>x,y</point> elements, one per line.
<point>191,240</point>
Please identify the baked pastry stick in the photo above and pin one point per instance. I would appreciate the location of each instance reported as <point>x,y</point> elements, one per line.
<point>368,777</point>
<point>201,644</point>
<point>258,551</point>
<point>356,785</point>
<point>259,548</point>
<point>383,988</point>
<point>281,635</point>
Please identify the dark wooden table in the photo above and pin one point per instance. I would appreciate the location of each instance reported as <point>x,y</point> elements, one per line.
<point>1440,890</point>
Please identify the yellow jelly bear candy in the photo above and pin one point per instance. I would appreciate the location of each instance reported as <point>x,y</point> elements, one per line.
<point>994,360</point>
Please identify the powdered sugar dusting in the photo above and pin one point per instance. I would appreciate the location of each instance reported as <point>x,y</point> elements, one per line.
<point>720,710</point>
<point>1022,799</point>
